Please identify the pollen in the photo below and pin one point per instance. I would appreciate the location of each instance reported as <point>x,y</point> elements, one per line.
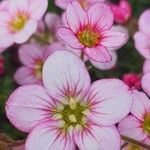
<point>88,37</point>
<point>38,69</point>
<point>146,124</point>
<point>18,22</point>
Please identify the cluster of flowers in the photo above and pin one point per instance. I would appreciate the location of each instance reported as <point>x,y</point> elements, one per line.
<point>56,103</point>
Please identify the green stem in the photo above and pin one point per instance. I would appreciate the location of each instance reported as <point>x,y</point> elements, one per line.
<point>132,141</point>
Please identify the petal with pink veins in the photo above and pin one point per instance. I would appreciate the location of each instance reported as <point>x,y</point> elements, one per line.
<point>98,53</point>
<point>108,65</point>
<point>141,105</point>
<point>49,136</point>
<point>131,127</point>
<point>100,16</point>
<point>113,39</point>
<point>37,8</point>
<point>76,16</point>
<point>98,138</point>
<point>33,105</point>
<point>64,74</point>
<point>110,101</point>
<point>69,37</point>
<point>146,67</point>
<point>30,53</point>
<point>26,76</point>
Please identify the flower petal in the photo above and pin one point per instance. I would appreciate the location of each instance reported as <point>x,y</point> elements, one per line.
<point>144,22</point>
<point>29,54</point>
<point>25,34</point>
<point>110,101</point>
<point>98,53</point>
<point>146,67</point>
<point>145,83</point>
<point>64,74</point>
<point>108,65</point>
<point>142,44</point>
<point>98,138</point>
<point>37,8</point>
<point>100,16</point>
<point>25,76</point>
<point>141,105</point>
<point>131,127</point>
<point>113,39</point>
<point>33,105</point>
<point>69,37</point>
<point>76,16</point>
<point>49,136</point>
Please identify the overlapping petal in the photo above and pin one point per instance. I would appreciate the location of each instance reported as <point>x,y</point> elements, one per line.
<point>110,101</point>
<point>64,74</point>
<point>28,106</point>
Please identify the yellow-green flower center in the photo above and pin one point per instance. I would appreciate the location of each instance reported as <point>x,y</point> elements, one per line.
<point>38,69</point>
<point>88,37</point>
<point>72,114</point>
<point>18,22</point>
<point>133,147</point>
<point>146,124</point>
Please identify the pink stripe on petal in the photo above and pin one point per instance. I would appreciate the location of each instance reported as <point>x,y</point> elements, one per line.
<point>106,66</point>
<point>76,16</point>
<point>141,105</point>
<point>100,16</point>
<point>27,106</point>
<point>64,74</point>
<point>131,127</point>
<point>110,101</point>
<point>69,37</point>
<point>25,76</point>
<point>98,138</point>
<point>48,136</point>
<point>98,53</point>
<point>30,53</point>
<point>113,39</point>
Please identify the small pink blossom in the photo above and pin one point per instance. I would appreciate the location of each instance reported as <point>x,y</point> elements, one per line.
<point>137,125</point>
<point>133,81</point>
<point>142,37</point>
<point>19,20</point>
<point>122,11</point>
<point>84,3</point>
<point>32,57</point>
<point>89,32</point>
<point>69,111</point>
<point>1,65</point>
<point>46,30</point>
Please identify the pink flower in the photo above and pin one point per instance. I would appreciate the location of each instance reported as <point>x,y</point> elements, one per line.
<point>46,31</point>
<point>69,111</point>
<point>142,37</point>
<point>1,65</point>
<point>19,20</point>
<point>32,56</point>
<point>137,125</point>
<point>84,3</point>
<point>122,11</point>
<point>90,31</point>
